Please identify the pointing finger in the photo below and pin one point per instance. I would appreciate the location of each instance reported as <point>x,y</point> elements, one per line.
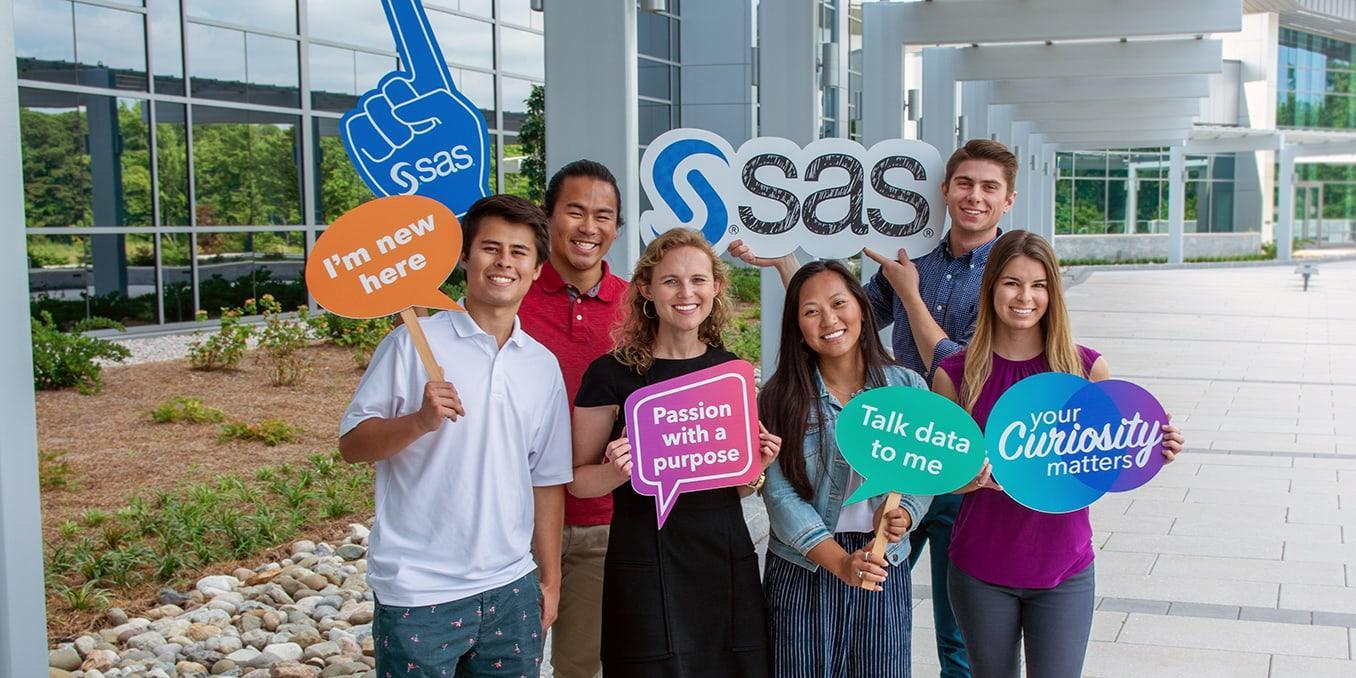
<point>875,256</point>
<point>416,45</point>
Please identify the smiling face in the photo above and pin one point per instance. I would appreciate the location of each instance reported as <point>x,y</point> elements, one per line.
<point>683,288</point>
<point>977,196</point>
<point>830,317</point>
<point>583,223</point>
<point>501,263</point>
<point>1022,293</point>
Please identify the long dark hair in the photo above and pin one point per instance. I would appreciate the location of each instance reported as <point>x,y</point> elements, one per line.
<point>790,398</point>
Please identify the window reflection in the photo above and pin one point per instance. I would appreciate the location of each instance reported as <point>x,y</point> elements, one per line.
<point>238,66</point>
<point>522,52</point>
<point>171,157</point>
<point>244,167</point>
<point>340,188</point>
<point>479,88</point>
<point>274,15</point>
<point>167,55</point>
<point>44,40</point>
<point>514,181</point>
<point>514,104</point>
<point>516,12</point>
<point>464,41</point>
<point>654,120</point>
<point>176,277</point>
<point>102,37</point>
<point>355,22</point>
<point>235,266</point>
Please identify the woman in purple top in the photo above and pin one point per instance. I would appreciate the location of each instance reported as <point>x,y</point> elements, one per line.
<point>1019,576</point>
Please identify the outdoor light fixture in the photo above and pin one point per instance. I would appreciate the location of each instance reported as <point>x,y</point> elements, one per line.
<point>962,130</point>
<point>537,5</point>
<point>654,5</point>
<point>911,105</point>
<point>828,64</point>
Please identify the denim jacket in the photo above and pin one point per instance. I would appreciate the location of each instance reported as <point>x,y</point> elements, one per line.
<point>798,525</point>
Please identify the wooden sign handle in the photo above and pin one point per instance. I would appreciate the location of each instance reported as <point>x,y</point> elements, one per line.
<point>878,547</point>
<point>411,321</point>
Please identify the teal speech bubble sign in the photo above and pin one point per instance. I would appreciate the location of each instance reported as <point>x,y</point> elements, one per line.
<point>908,440</point>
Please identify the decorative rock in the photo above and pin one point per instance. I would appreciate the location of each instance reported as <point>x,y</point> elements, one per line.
<point>84,644</point>
<point>93,673</point>
<point>169,596</point>
<point>362,614</point>
<point>305,546</point>
<point>223,666</point>
<point>149,641</point>
<point>99,660</point>
<point>164,611</point>
<point>306,638</point>
<point>323,650</point>
<point>257,673</point>
<point>243,655</point>
<point>257,639</point>
<point>349,648</point>
<point>190,669</point>
<point>221,582</point>
<point>315,582</point>
<point>351,552</point>
<point>250,622</point>
<point>272,620</point>
<point>242,573</point>
<point>54,672</point>
<point>293,670</point>
<point>290,585</point>
<point>201,632</point>
<point>357,533</point>
<point>66,658</point>
<point>263,577</point>
<point>344,669</point>
<point>285,652</point>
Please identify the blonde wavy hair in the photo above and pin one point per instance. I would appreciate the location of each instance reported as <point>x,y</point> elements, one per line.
<point>634,336</point>
<point>1060,351</point>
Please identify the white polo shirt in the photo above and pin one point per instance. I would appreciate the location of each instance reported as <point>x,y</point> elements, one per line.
<point>455,508</point>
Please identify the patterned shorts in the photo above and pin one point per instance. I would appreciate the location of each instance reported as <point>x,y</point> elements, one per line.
<point>495,633</point>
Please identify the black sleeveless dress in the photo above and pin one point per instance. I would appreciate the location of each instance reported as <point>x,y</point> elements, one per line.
<point>685,601</point>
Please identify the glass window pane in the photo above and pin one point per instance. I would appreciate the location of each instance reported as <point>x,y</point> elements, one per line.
<point>516,93</point>
<point>58,277</point>
<point>1064,205</point>
<point>44,40</point>
<point>483,8</point>
<point>176,277</point>
<point>654,120</point>
<point>56,164</point>
<point>340,189</point>
<point>334,84</point>
<point>653,79</point>
<point>102,40</point>
<point>273,15</point>
<point>244,167</point>
<point>130,206</point>
<point>1149,204</point>
<point>1089,214</point>
<point>479,88</point>
<point>516,12</point>
<point>272,67</point>
<point>522,52</point>
<point>137,306</point>
<point>167,53</point>
<point>464,41</point>
<point>171,150</point>
<point>1090,164</point>
<point>354,22</point>
<point>236,266</point>
<point>216,63</point>
<point>652,35</point>
<point>514,182</point>
<point>1116,197</point>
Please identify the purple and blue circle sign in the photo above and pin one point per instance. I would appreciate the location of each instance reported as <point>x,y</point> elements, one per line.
<point>1058,442</point>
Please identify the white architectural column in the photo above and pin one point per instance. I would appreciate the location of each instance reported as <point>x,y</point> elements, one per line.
<point>939,100</point>
<point>717,72</point>
<point>1285,207</point>
<point>975,109</point>
<point>1176,202</point>
<point>1049,170</point>
<point>882,75</point>
<point>788,92</point>
<point>591,101</point>
<point>23,605</point>
<point>1131,197</point>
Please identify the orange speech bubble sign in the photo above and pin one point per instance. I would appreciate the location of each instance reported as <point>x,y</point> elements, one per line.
<point>385,256</point>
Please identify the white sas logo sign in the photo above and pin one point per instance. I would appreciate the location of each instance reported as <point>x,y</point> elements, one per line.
<point>831,198</point>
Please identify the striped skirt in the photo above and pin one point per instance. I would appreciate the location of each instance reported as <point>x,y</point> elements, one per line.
<point>822,628</point>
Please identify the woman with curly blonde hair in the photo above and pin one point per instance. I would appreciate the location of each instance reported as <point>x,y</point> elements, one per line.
<point>682,601</point>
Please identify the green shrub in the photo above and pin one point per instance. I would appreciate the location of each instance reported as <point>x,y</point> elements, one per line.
<point>270,431</point>
<point>53,472</point>
<point>744,284</point>
<point>360,335</point>
<point>743,336</point>
<point>182,408</point>
<point>225,348</point>
<point>281,343</point>
<point>61,359</point>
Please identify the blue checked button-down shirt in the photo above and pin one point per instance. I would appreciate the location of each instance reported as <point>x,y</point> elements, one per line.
<point>950,288</point>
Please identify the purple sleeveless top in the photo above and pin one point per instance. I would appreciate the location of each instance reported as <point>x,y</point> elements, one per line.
<point>997,540</point>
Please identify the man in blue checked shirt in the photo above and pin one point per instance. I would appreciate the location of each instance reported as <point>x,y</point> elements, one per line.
<point>932,302</point>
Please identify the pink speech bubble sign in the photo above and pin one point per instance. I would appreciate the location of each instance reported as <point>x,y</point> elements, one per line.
<point>694,432</point>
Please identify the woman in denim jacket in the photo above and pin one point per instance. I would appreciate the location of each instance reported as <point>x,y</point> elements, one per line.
<point>822,622</point>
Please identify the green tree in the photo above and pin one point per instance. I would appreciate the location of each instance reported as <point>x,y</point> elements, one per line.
<point>532,140</point>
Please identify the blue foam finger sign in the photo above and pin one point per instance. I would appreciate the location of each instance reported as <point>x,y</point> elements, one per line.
<point>415,133</point>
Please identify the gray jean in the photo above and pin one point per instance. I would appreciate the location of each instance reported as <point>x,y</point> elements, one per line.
<point>1052,624</point>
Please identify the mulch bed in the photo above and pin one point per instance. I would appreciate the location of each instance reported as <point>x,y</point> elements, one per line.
<point>117,452</point>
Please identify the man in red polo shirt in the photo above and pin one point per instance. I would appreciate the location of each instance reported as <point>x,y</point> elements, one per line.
<point>570,309</point>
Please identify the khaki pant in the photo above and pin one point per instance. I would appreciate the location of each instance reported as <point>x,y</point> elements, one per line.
<point>578,629</point>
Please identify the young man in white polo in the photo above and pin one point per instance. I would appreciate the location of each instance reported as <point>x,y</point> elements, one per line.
<point>470,470</point>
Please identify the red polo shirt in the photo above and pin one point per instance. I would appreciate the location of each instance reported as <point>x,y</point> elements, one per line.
<point>574,326</point>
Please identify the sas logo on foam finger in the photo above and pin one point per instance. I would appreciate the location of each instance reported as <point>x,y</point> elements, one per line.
<point>831,198</point>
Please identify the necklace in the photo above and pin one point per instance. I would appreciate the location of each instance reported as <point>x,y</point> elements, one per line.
<point>839,393</point>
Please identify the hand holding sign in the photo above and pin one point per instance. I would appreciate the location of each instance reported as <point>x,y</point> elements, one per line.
<point>416,133</point>
<point>699,431</point>
<point>383,257</point>
<point>1058,442</point>
<point>904,440</point>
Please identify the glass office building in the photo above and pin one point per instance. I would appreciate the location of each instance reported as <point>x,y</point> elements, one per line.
<point>182,154</point>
